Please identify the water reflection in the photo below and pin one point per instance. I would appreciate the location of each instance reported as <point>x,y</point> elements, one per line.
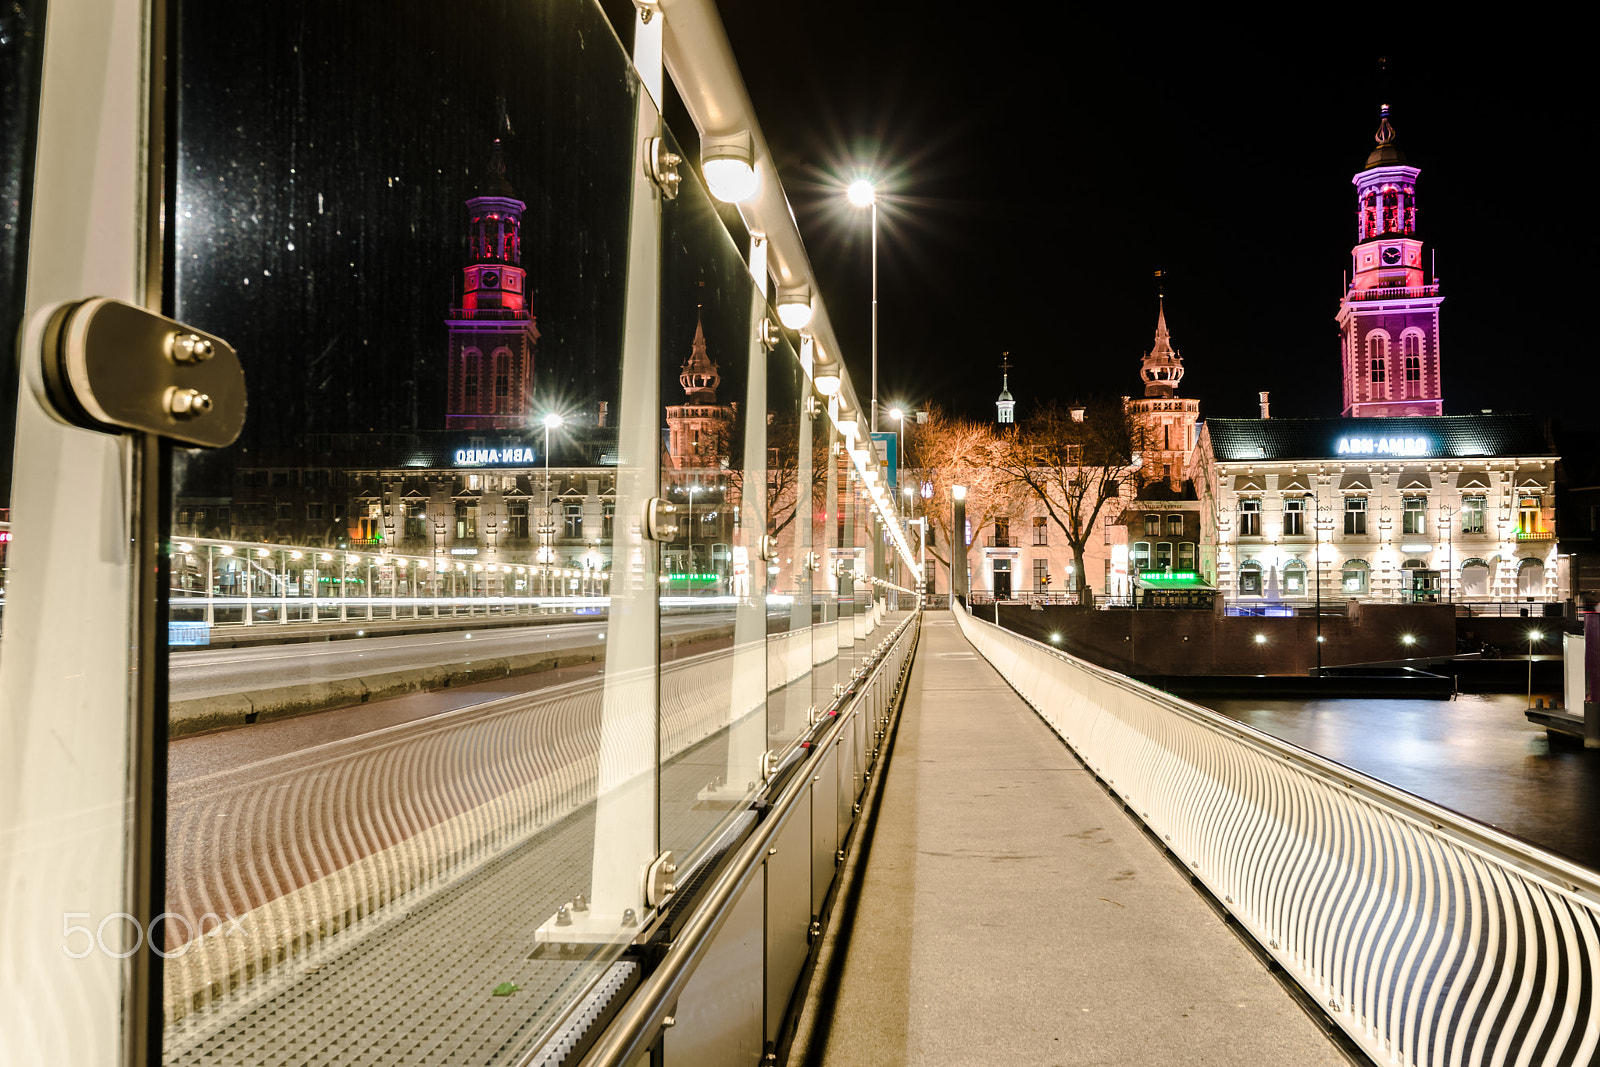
<point>1477,755</point>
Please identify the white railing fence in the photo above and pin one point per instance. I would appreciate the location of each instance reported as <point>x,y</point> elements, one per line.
<point>1430,939</point>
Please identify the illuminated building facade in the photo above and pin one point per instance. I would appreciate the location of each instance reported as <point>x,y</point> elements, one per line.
<point>1389,315</point>
<point>1451,508</point>
<point>493,333</point>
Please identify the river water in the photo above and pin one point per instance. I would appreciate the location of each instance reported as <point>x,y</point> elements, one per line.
<point>1477,755</point>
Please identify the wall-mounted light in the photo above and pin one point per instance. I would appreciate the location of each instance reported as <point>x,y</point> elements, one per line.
<point>827,380</point>
<point>794,307</point>
<point>727,164</point>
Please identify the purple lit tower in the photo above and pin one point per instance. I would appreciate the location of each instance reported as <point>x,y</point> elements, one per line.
<point>1389,317</point>
<point>492,333</point>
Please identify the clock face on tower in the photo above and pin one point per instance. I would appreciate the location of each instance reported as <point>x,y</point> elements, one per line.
<point>490,279</point>
<point>1391,256</point>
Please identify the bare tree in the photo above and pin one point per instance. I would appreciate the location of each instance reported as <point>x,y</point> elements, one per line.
<point>1073,462</point>
<point>948,451</point>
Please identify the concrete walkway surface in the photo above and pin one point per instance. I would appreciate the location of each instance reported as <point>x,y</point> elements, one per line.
<point>1011,913</point>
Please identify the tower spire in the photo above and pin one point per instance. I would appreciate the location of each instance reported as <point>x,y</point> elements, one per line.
<point>1163,367</point>
<point>1005,405</point>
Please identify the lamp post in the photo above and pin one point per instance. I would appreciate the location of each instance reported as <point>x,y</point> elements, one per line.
<point>958,524</point>
<point>862,194</point>
<point>688,580</point>
<point>1533,635</point>
<point>547,532</point>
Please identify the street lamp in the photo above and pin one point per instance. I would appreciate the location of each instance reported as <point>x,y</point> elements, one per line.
<point>862,194</point>
<point>1533,635</point>
<point>547,534</point>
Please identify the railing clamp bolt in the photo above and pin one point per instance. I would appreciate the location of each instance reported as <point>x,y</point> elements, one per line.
<point>580,903</point>
<point>629,918</point>
<point>1272,944</point>
<point>668,1022</point>
<point>564,915</point>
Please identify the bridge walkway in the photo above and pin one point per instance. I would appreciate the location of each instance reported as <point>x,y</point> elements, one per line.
<point>1010,912</point>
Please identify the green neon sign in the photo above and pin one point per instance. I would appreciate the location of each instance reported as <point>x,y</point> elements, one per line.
<point>1174,576</point>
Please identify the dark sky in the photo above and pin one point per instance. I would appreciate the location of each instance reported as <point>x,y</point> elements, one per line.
<point>1040,171</point>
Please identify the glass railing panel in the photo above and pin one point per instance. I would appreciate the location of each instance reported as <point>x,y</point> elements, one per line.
<point>825,548</point>
<point>791,471</point>
<point>713,628</point>
<point>393,707</point>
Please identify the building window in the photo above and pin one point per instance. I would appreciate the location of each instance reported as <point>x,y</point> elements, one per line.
<point>1530,578</point>
<point>1474,578</point>
<point>1414,520</point>
<point>1108,579</point>
<point>1040,531</point>
<point>1152,525</point>
<point>1472,508</point>
<point>517,519</point>
<point>1106,526</point>
<point>1294,517</point>
<point>1041,575</point>
<point>1294,578</point>
<point>1140,557</point>
<point>1250,578</point>
<point>1413,376</point>
<point>285,511</point>
<point>1002,533</point>
<point>1174,525</point>
<point>1186,556</point>
<point>314,512</point>
<point>1355,576</point>
<point>608,521</point>
<point>1527,515</point>
<point>1355,516</point>
<point>1250,518</point>
<point>502,378</point>
<point>1164,557</point>
<point>573,528</point>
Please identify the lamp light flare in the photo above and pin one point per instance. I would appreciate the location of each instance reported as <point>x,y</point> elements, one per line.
<point>861,193</point>
<point>552,420</point>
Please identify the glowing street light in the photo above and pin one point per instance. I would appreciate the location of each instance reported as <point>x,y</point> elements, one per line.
<point>547,533</point>
<point>1533,635</point>
<point>862,194</point>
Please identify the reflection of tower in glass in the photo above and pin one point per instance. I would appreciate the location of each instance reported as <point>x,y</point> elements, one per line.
<point>492,333</point>
<point>700,429</point>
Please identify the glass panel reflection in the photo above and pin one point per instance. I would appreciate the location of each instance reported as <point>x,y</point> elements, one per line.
<point>713,629</point>
<point>791,470</point>
<point>396,707</point>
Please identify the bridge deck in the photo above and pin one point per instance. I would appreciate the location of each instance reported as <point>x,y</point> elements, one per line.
<point>1011,912</point>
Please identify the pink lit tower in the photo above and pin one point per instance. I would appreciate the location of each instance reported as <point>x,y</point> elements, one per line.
<point>492,333</point>
<point>1389,317</point>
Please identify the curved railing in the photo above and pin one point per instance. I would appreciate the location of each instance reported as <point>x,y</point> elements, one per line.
<point>1430,938</point>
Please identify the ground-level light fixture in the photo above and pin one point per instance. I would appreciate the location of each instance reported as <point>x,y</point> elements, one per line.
<point>726,162</point>
<point>847,427</point>
<point>794,308</point>
<point>1261,639</point>
<point>1055,639</point>
<point>827,380</point>
<point>1408,639</point>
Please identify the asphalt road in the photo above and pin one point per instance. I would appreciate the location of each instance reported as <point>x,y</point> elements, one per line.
<point>214,672</point>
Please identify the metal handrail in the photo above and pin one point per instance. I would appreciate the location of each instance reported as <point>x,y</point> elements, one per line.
<point>641,1018</point>
<point>1397,913</point>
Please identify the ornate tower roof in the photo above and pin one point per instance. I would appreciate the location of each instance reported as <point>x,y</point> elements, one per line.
<point>1005,405</point>
<point>1163,368</point>
<point>1386,154</point>
<point>496,184</point>
<point>699,375</point>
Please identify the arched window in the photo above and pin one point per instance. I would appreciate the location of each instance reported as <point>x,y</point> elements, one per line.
<point>1474,578</point>
<point>1530,577</point>
<point>1186,556</point>
<point>502,379</point>
<point>1378,361</point>
<point>1164,556</point>
<point>1294,578</point>
<point>1250,578</point>
<point>470,359</point>
<point>1413,376</point>
<point>1356,572</point>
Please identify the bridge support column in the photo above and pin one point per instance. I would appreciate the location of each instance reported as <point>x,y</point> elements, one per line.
<point>1591,679</point>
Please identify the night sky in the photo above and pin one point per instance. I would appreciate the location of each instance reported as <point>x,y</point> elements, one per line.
<point>1040,172</point>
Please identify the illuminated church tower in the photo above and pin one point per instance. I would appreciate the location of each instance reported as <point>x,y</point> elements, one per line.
<point>1163,422</point>
<point>492,333</point>
<point>1389,317</point>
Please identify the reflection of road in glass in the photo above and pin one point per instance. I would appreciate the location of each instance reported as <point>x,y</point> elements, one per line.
<point>1477,754</point>
<point>377,815</point>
